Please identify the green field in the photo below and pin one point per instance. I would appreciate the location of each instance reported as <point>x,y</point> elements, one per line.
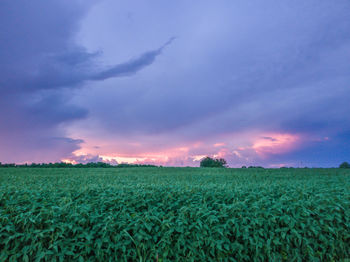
<point>174,214</point>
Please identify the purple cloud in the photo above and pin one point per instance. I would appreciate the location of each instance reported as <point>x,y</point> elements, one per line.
<point>237,69</point>
<point>40,68</point>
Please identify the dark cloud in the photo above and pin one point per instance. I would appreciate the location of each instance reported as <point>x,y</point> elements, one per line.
<point>30,119</point>
<point>40,67</point>
<point>321,152</point>
<point>269,138</point>
<point>73,68</point>
<point>272,67</point>
<point>281,71</point>
<point>132,66</point>
<point>36,146</point>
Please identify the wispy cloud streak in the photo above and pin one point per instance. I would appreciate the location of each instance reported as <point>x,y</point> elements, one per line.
<point>133,66</point>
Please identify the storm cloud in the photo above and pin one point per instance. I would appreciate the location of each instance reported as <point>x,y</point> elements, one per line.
<point>262,83</point>
<point>41,69</point>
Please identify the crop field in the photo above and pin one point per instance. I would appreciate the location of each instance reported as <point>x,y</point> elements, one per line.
<point>174,214</point>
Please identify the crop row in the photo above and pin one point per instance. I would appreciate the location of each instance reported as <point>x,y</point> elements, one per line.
<point>216,221</point>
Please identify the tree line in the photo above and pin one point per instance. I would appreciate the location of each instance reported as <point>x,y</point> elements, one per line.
<point>70,165</point>
<point>205,162</point>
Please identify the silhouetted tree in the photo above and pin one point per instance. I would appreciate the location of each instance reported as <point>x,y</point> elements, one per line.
<point>212,162</point>
<point>344,165</point>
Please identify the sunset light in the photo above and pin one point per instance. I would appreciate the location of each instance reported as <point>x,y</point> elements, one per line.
<point>275,144</point>
<point>255,84</point>
<point>174,130</point>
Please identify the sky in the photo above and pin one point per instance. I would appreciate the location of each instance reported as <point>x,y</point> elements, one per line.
<point>262,83</point>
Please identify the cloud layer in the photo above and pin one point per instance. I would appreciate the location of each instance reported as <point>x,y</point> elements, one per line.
<point>41,69</point>
<point>259,83</point>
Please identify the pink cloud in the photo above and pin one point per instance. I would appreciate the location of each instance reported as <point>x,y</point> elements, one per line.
<point>219,144</point>
<point>248,148</point>
<point>275,144</point>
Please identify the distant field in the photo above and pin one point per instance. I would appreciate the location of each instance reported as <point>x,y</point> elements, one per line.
<point>167,214</point>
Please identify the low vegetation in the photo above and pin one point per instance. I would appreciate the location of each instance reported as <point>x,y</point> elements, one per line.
<point>174,214</point>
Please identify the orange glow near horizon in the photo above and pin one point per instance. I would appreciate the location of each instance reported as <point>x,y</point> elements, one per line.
<point>161,158</point>
<point>235,147</point>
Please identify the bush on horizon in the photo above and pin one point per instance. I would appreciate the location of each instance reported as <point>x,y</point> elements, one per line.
<point>212,162</point>
<point>344,165</point>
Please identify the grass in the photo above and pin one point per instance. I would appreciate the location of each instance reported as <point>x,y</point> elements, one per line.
<point>167,214</point>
